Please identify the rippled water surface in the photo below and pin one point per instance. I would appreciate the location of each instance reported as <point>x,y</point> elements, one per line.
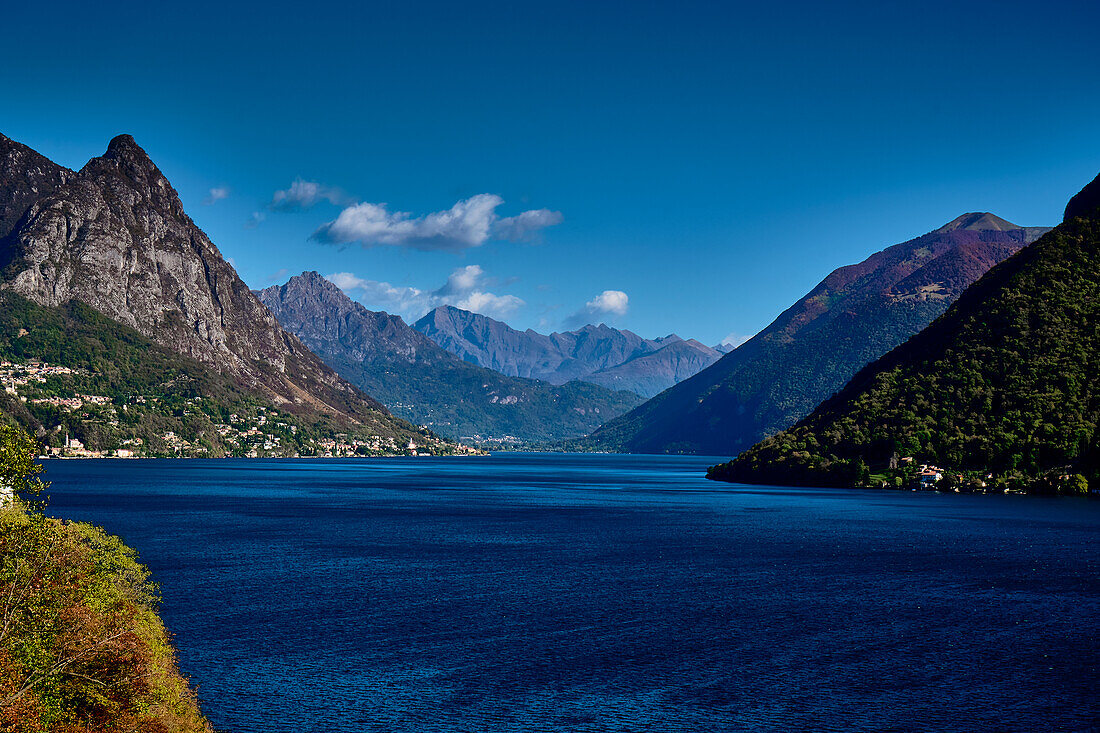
<point>603,593</point>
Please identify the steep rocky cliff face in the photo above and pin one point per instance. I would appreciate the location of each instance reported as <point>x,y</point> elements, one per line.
<point>25,177</point>
<point>419,380</point>
<point>115,236</point>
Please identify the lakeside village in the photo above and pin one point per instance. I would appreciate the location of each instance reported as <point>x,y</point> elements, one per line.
<point>148,426</point>
<point>906,473</point>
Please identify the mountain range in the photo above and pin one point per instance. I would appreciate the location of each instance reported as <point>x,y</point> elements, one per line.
<point>1002,390</point>
<point>121,324</point>
<point>855,315</point>
<point>614,358</point>
<point>114,237</point>
<point>422,382</point>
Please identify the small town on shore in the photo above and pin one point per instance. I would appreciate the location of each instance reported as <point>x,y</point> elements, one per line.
<point>184,427</point>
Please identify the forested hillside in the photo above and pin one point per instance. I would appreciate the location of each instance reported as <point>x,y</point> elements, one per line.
<point>1002,391</point>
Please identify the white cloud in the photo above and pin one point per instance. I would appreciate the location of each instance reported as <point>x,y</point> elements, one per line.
<point>489,304</point>
<point>463,280</point>
<point>609,303</point>
<point>733,340</point>
<point>469,223</point>
<point>613,302</point>
<point>255,220</point>
<point>465,288</point>
<point>304,195</point>
<point>405,301</point>
<point>216,194</point>
<point>347,280</point>
<point>524,226</point>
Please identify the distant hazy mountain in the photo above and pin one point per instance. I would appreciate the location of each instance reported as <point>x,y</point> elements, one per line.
<point>599,354</point>
<point>114,238</point>
<point>1006,382</point>
<point>652,373</point>
<point>852,317</point>
<point>419,380</point>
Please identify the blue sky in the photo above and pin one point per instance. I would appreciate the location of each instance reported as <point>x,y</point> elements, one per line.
<point>690,167</point>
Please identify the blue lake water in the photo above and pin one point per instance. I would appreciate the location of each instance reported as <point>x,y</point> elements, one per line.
<point>603,593</point>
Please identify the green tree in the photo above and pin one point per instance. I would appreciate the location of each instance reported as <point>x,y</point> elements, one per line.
<point>19,467</point>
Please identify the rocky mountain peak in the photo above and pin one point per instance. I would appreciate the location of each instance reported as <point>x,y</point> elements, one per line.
<point>981,221</point>
<point>124,153</point>
<point>313,281</point>
<point>589,353</point>
<point>124,145</point>
<point>327,319</point>
<point>115,236</point>
<point>127,169</point>
<point>310,290</point>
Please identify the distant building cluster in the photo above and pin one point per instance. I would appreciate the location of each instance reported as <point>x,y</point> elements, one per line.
<point>13,376</point>
<point>929,477</point>
<point>255,432</point>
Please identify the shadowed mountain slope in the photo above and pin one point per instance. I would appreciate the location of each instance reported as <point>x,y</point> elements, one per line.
<point>853,316</point>
<point>1006,382</point>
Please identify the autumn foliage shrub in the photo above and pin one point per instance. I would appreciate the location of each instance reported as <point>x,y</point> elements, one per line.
<point>82,648</point>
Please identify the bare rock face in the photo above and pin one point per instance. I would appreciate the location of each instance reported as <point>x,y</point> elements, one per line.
<point>25,177</point>
<point>327,320</point>
<point>115,236</point>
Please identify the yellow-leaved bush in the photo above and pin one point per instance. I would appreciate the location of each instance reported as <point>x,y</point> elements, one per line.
<point>82,648</point>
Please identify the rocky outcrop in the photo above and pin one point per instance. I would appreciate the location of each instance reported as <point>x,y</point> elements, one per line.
<point>25,177</point>
<point>115,236</point>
